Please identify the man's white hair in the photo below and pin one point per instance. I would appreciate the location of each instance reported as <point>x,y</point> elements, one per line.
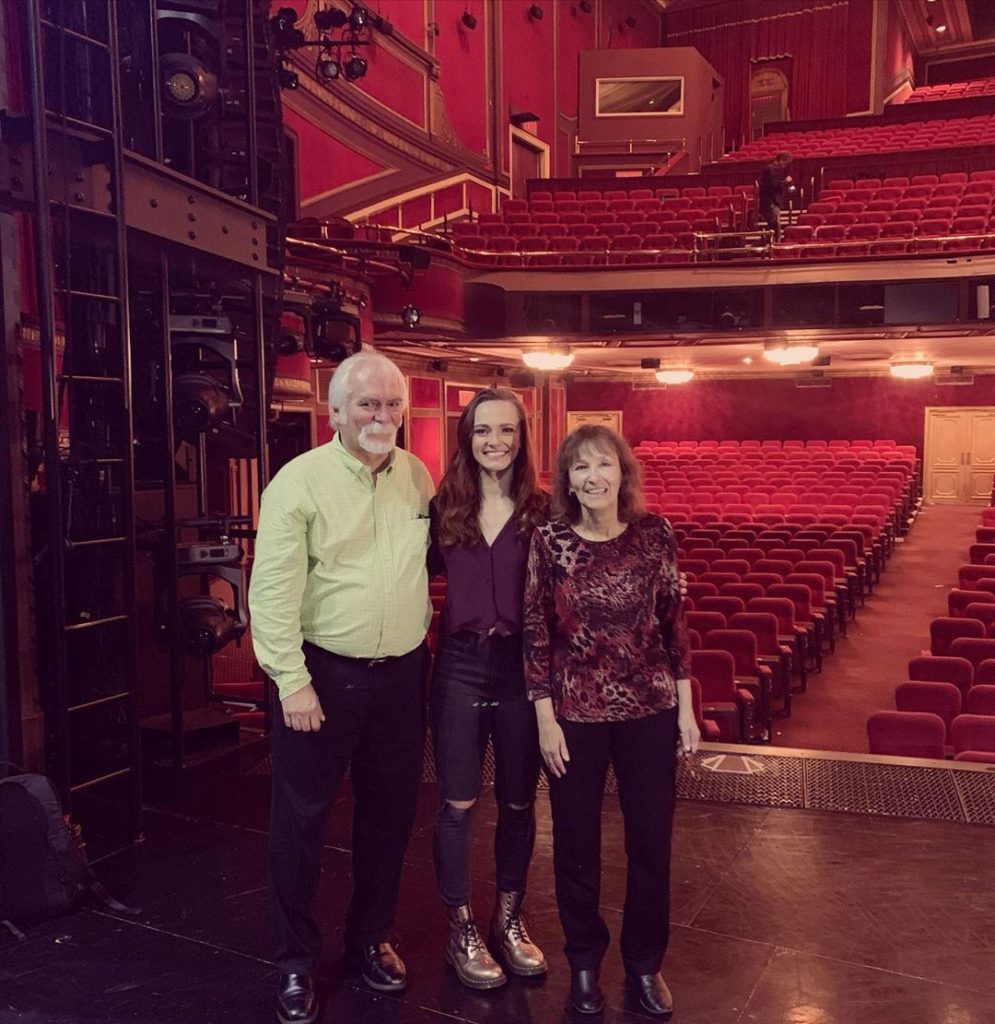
<point>361,365</point>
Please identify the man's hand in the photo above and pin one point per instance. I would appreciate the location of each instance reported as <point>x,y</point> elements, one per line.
<point>302,710</point>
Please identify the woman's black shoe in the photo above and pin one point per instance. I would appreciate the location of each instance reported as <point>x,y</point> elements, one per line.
<point>296,1000</point>
<point>585,993</point>
<point>652,992</point>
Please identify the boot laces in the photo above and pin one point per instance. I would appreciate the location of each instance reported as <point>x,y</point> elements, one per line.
<point>470,938</point>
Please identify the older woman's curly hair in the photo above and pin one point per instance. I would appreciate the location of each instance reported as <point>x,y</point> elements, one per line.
<point>631,505</point>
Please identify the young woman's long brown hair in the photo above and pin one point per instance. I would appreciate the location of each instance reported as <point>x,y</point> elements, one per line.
<point>457,502</point>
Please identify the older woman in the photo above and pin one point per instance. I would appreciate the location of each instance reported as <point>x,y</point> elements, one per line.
<point>606,657</point>
<point>488,504</point>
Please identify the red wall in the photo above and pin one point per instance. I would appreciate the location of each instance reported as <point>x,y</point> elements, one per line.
<point>527,51</point>
<point>861,407</point>
<point>829,42</point>
<point>899,54</point>
<point>324,163</point>
<point>462,54</point>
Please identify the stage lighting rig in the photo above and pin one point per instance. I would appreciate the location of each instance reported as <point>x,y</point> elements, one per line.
<point>338,56</point>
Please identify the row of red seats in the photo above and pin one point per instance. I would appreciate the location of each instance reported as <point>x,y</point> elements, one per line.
<point>957,674</point>
<point>934,133</point>
<point>769,445</point>
<point>952,90</point>
<point>808,588</point>
<point>639,194</point>
<point>832,241</point>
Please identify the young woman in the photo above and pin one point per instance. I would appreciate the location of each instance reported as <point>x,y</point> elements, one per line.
<point>607,666</point>
<point>487,506</point>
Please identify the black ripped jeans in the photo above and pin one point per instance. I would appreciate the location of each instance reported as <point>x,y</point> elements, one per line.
<point>478,694</point>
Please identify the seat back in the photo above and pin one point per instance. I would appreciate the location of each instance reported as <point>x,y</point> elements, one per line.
<point>906,734</point>
<point>975,650</point>
<point>981,700</point>
<point>973,732</point>
<point>929,668</point>
<point>943,699</point>
<point>945,630</point>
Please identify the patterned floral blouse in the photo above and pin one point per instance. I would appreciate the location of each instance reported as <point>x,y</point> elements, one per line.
<point>604,626</point>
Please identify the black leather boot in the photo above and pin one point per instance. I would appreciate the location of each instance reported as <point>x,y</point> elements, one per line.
<point>652,992</point>
<point>585,992</point>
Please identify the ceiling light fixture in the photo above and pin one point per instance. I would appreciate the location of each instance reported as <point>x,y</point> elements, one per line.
<point>941,27</point>
<point>911,370</point>
<point>783,354</point>
<point>674,376</point>
<point>552,358</point>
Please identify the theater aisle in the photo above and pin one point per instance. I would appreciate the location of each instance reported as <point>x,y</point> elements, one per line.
<point>892,627</point>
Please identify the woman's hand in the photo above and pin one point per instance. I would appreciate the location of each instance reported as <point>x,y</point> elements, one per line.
<point>552,742</point>
<point>682,583</point>
<point>689,732</point>
<point>687,725</point>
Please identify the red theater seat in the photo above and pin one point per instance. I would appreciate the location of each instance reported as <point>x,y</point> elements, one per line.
<point>973,732</point>
<point>906,734</point>
<point>943,699</point>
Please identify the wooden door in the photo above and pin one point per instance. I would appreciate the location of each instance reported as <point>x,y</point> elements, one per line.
<point>959,456</point>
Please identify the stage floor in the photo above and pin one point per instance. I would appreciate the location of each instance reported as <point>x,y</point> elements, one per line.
<point>780,916</point>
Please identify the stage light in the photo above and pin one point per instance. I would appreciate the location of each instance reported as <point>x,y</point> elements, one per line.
<point>552,358</point>
<point>286,35</point>
<point>355,67</point>
<point>783,354</point>
<point>585,6</point>
<point>358,17</point>
<point>411,315</point>
<point>188,87</point>
<point>912,370</point>
<point>329,19</point>
<point>327,69</point>
<point>288,79</point>
<point>200,402</point>
<point>674,376</point>
<point>206,625</point>
<point>535,12</point>
<point>469,20</point>
<point>941,27</point>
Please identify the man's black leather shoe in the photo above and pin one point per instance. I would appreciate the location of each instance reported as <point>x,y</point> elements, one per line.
<point>382,969</point>
<point>585,992</point>
<point>296,1000</point>
<point>652,992</point>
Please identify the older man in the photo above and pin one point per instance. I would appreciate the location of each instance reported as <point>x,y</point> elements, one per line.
<point>340,606</point>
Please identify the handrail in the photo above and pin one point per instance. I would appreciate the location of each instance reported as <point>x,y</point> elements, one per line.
<point>616,144</point>
<point>430,189</point>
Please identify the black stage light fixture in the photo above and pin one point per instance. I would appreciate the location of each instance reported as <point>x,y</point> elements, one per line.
<point>188,87</point>
<point>649,363</point>
<point>438,365</point>
<point>381,24</point>
<point>327,69</point>
<point>585,6</point>
<point>469,20</point>
<point>329,19</point>
<point>358,17</point>
<point>200,402</point>
<point>411,315</point>
<point>355,67</point>
<point>288,79</point>
<point>535,12</point>
<point>286,34</point>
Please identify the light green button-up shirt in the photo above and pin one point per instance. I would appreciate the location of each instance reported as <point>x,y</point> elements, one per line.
<point>340,561</point>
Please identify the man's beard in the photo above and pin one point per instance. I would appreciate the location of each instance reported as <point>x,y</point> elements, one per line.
<point>378,438</point>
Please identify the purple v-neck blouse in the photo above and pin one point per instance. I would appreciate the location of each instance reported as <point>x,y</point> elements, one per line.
<point>485,583</point>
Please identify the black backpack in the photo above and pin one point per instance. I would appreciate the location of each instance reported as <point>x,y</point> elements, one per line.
<point>43,870</point>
